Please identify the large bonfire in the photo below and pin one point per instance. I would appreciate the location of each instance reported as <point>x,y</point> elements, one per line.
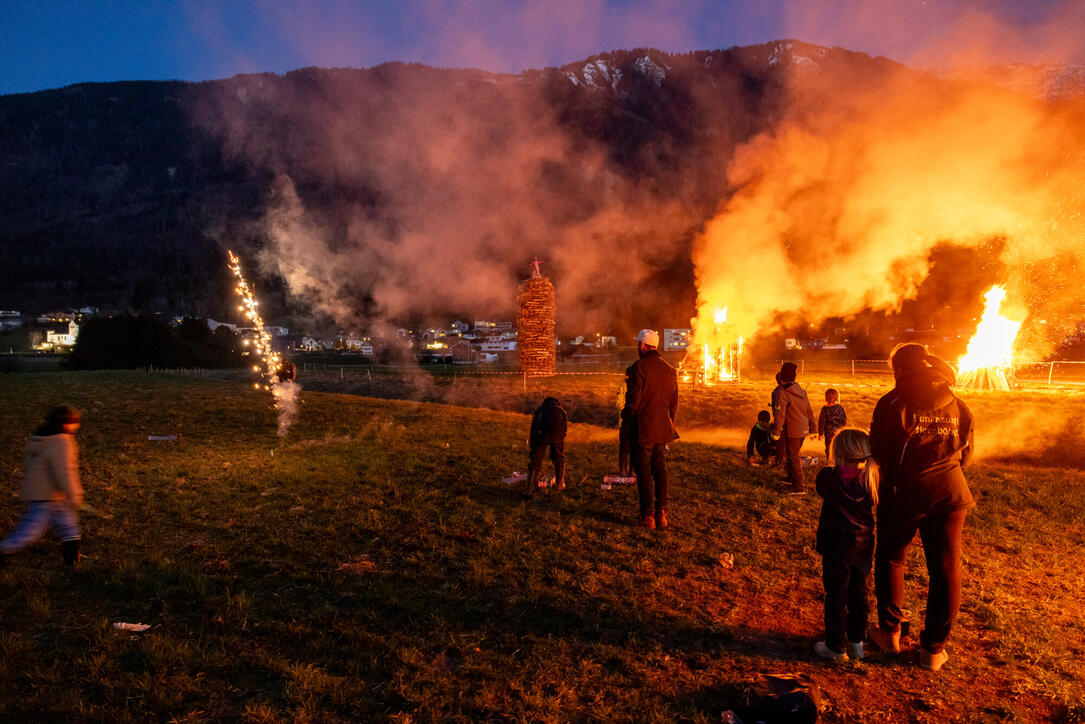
<point>716,352</point>
<point>988,361</point>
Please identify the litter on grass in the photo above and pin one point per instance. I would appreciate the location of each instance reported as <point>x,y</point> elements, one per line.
<point>161,438</point>
<point>516,477</point>
<point>133,627</point>
<point>609,481</point>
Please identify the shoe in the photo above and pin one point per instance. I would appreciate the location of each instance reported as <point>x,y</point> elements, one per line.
<point>529,487</point>
<point>930,661</point>
<point>822,649</point>
<point>648,522</point>
<point>661,519</point>
<point>886,641</point>
<point>70,549</point>
<point>855,651</point>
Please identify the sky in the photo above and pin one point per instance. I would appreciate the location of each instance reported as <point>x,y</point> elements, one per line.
<point>50,44</point>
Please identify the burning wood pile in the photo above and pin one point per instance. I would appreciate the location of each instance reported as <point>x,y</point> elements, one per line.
<point>716,360</point>
<point>988,361</point>
<point>535,326</point>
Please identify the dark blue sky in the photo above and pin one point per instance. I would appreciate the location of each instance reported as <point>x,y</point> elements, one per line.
<point>48,43</point>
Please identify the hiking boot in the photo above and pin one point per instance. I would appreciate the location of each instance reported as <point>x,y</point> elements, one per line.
<point>932,662</point>
<point>531,485</point>
<point>648,522</point>
<point>855,651</point>
<point>661,519</point>
<point>886,641</point>
<point>70,549</point>
<point>822,649</point>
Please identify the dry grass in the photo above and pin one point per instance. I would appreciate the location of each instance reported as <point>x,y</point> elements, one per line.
<point>371,566</point>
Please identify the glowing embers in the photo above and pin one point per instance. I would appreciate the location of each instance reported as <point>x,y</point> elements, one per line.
<point>988,361</point>
<point>716,360</point>
<point>262,339</point>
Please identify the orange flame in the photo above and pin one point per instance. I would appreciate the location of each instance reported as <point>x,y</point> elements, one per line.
<point>991,347</point>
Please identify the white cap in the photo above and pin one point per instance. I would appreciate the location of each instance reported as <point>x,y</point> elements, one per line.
<point>649,337</point>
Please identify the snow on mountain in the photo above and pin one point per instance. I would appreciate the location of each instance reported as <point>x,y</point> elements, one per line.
<point>1045,80</point>
<point>649,69</point>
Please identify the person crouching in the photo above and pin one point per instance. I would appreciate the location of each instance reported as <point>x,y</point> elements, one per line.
<point>548,426</point>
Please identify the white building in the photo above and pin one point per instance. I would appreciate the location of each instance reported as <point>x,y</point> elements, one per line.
<point>676,339</point>
<point>63,339</point>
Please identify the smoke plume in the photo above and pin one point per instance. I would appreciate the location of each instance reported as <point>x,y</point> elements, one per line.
<point>838,208</point>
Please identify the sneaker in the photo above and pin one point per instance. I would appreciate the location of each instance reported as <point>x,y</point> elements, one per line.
<point>931,661</point>
<point>796,490</point>
<point>648,521</point>
<point>887,641</point>
<point>855,651</point>
<point>661,519</point>
<point>822,649</point>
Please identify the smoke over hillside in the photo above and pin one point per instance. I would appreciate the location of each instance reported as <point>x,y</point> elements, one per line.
<point>839,207</point>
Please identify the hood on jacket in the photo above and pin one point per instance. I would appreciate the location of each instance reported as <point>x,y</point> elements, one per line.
<point>925,389</point>
<point>552,401</point>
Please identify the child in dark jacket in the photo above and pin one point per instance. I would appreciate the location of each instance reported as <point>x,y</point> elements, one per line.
<point>548,426</point>
<point>845,540</point>
<point>832,418</point>
<point>760,444</point>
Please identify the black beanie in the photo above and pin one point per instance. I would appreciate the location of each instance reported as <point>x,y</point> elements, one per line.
<point>788,371</point>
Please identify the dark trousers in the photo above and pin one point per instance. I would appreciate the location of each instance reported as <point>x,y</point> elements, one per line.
<point>557,456</point>
<point>792,447</point>
<point>847,607</point>
<point>626,433</point>
<point>650,465</point>
<point>941,536</point>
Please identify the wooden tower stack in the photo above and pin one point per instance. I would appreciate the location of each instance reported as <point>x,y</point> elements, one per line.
<point>535,326</point>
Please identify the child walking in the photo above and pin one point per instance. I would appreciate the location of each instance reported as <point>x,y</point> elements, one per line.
<point>832,418</point>
<point>51,486</point>
<point>845,540</point>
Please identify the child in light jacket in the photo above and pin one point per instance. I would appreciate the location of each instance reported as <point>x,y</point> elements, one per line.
<point>845,540</point>
<point>51,486</point>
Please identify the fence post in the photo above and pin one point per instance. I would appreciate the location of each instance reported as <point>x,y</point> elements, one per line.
<point>340,373</point>
<point>525,382</point>
<point>369,374</point>
<point>1050,371</point>
<point>853,368</point>
<point>803,363</point>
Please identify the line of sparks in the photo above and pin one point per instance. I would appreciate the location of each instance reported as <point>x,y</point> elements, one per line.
<point>250,307</point>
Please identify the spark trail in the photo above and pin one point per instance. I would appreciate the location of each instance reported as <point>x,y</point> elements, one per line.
<point>284,391</point>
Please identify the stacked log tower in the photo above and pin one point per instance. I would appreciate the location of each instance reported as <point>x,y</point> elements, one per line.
<point>535,326</point>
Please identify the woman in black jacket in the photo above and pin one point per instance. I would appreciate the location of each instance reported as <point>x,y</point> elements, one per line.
<point>921,436</point>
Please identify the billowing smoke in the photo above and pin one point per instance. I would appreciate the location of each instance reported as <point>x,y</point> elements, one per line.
<point>838,208</point>
<point>405,191</point>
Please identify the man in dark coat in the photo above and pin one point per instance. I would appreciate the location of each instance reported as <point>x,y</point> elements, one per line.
<point>653,404</point>
<point>922,436</point>
<point>548,426</point>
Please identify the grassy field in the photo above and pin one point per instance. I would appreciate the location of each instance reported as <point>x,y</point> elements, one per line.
<point>372,566</point>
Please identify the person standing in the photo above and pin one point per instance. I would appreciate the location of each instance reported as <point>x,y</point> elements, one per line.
<point>832,417</point>
<point>922,436</point>
<point>653,405</point>
<point>51,486</point>
<point>793,419</point>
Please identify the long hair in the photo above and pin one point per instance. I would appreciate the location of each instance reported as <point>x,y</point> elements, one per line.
<point>852,444</point>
